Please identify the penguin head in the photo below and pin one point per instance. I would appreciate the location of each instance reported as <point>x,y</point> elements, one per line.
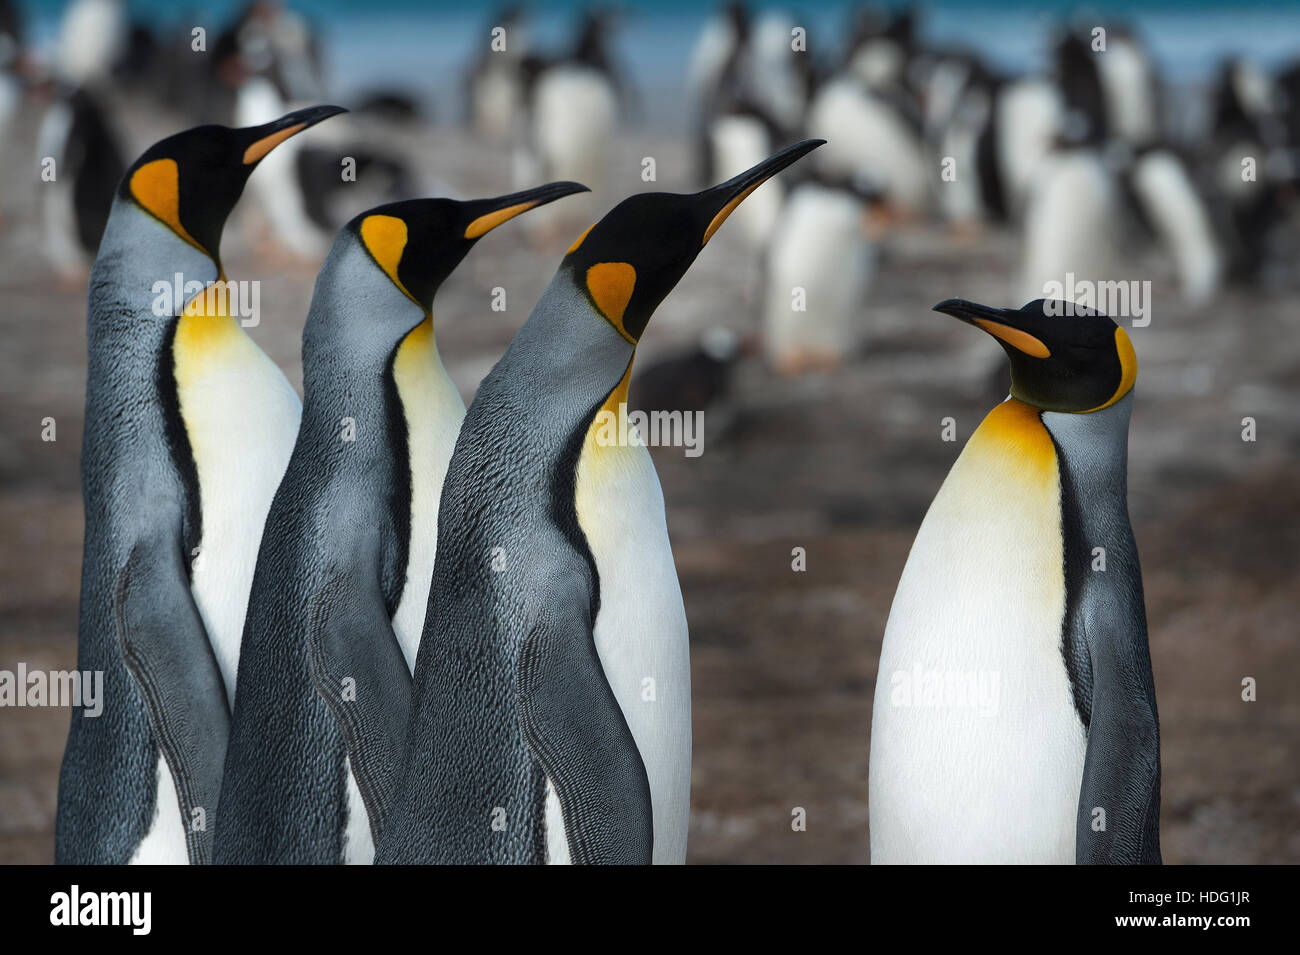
<point>418,242</point>
<point>630,260</point>
<point>191,181</point>
<point>1064,357</point>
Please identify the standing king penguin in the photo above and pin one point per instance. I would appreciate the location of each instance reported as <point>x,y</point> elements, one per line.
<point>343,574</point>
<point>551,709</point>
<point>189,426</point>
<point>1050,752</point>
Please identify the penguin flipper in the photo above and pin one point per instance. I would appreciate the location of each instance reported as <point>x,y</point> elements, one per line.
<point>1121,771</point>
<point>165,647</point>
<point>577,732</point>
<point>358,668</point>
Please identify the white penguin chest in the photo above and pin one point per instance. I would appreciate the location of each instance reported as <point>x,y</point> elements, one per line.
<point>976,749</point>
<point>241,417</point>
<point>641,632</point>
<point>433,410</point>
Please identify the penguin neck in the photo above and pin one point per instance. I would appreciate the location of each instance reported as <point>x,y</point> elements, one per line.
<point>577,359</point>
<point>1094,445</point>
<point>133,281</point>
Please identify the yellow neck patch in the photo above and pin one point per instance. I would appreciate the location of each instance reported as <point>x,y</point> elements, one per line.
<point>385,239</point>
<point>264,145</point>
<point>486,223</point>
<point>1128,364</point>
<point>156,186</point>
<point>1021,341</point>
<point>1014,432</point>
<point>610,285</point>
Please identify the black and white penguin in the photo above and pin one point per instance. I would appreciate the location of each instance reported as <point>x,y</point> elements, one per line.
<point>1015,715</point>
<point>875,137</point>
<point>1171,202</point>
<point>189,426</point>
<point>574,103</point>
<point>494,84</point>
<point>342,582</point>
<point>551,715</point>
<point>77,134</point>
<point>817,275</point>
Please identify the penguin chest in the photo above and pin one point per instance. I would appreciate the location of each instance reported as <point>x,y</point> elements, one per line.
<point>433,411</point>
<point>640,630</point>
<point>976,749</point>
<point>241,417</point>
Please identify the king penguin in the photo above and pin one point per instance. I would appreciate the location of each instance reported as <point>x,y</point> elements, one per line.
<point>551,709</point>
<point>343,574</point>
<point>189,426</point>
<point>1015,713</point>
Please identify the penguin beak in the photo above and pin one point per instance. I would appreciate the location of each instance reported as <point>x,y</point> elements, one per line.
<point>262,139</point>
<point>721,200</point>
<point>1005,324</point>
<point>486,214</point>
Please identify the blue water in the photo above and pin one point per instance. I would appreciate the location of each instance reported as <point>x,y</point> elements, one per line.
<point>422,45</point>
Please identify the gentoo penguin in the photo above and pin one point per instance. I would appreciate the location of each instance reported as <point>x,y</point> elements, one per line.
<point>493,86</point>
<point>343,573</point>
<point>821,259</point>
<point>78,135</point>
<point>92,38</point>
<point>741,136</point>
<point>551,708</point>
<point>574,106</point>
<point>1029,115</point>
<point>873,138</point>
<point>1130,88</point>
<point>189,426</point>
<point>1015,715</point>
<point>1071,222</point>
<point>1168,198</point>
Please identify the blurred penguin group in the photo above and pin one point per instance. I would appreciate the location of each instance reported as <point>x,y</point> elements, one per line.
<point>1088,161</point>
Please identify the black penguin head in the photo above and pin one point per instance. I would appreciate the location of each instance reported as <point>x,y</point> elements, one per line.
<point>630,260</point>
<point>191,181</point>
<point>1063,357</point>
<point>418,242</point>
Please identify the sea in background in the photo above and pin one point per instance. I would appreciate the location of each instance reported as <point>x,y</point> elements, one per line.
<point>423,46</point>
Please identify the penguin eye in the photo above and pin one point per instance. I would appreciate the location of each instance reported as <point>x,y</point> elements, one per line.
<point>610,285</point>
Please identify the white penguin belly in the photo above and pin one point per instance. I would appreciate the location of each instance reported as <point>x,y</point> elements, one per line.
<point>358,843</point>
<point>241,416</point>
<point>641,633</point>
<point>822,250</point>
<point>164,843</point>
<point>976,749</point>
<point>434,411</point>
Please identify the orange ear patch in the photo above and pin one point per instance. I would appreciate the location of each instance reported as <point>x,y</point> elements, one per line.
<point>611,285</point>
<point>156,186</point>
<point>1128,366</point>
<point>1021,341</point>
<point>385,239</point>
<point>264,145</point>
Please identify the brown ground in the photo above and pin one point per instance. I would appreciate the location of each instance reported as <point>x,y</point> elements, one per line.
<point>842,464</point>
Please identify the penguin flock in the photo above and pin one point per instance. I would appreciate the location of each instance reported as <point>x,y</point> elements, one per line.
<point>376,626</point>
